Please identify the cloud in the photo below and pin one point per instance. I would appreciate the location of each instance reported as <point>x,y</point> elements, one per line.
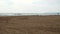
<point>29,6</point>
<point>21,6</point>
<point>48,5</point>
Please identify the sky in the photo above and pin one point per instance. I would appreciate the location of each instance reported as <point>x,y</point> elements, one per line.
<point>29,6</point>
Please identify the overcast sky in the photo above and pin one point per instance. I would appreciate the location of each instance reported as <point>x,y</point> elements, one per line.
<point>29,6</point>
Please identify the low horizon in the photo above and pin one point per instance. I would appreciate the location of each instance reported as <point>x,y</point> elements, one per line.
<point>27,14</point>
